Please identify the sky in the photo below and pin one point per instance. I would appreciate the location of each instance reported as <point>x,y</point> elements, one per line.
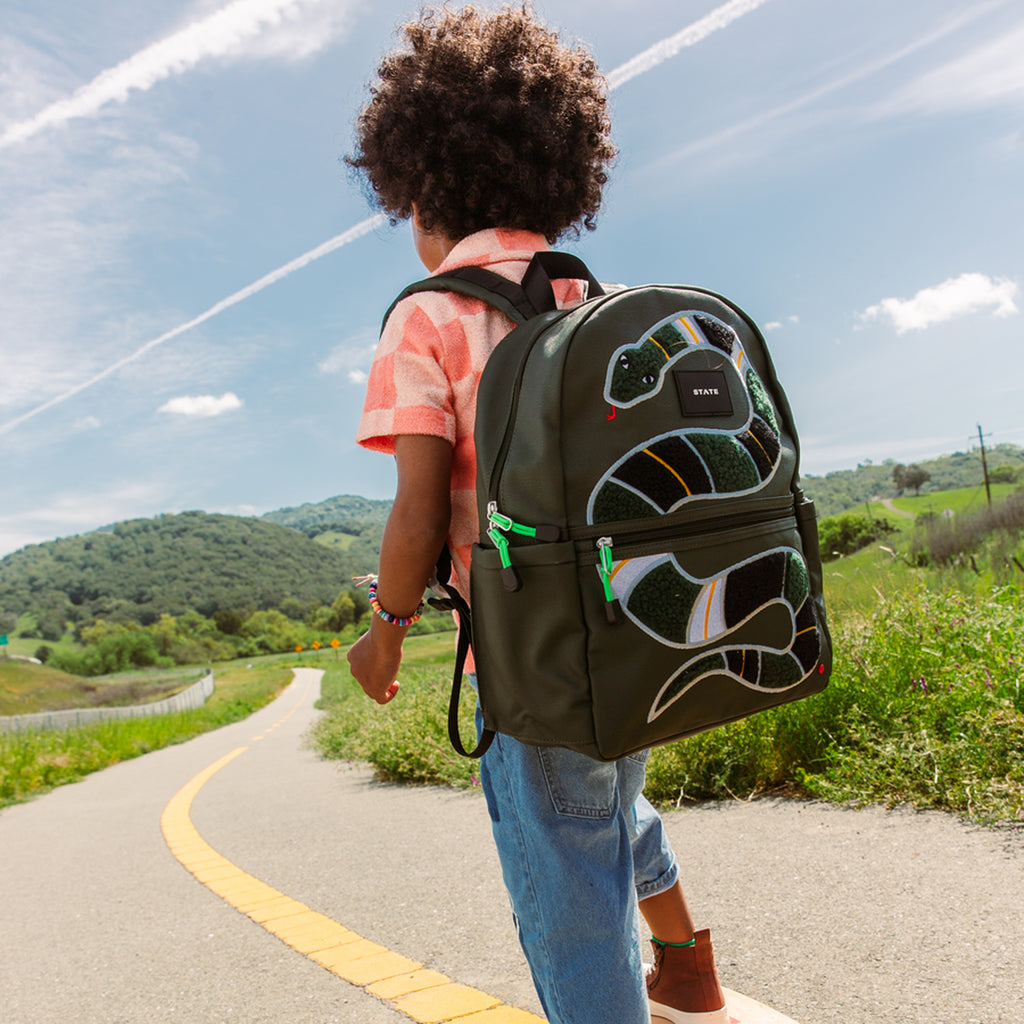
<point>191,282</point>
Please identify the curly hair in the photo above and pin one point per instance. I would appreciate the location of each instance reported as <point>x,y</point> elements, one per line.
<point>484,121</point>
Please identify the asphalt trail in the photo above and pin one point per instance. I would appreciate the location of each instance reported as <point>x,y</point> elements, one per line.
<point>832,915</point>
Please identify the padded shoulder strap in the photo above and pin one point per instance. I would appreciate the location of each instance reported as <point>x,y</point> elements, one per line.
<point>477,283</point>
<point>518,302</point>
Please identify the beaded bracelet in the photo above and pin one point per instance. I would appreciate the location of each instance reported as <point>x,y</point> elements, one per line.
<point>395,620</point>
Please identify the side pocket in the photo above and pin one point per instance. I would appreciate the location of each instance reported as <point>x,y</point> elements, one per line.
<point>530,647</point>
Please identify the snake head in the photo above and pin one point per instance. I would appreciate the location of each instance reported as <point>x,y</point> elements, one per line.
<point>634,373</point>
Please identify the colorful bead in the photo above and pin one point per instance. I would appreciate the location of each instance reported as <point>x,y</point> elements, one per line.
<point>394,620</point>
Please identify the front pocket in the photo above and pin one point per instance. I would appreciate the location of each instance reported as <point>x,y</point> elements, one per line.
<point>530,646</point>
<point>719,626</point>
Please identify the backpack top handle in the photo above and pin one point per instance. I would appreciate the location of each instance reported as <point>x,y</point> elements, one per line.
<point>548,266</point>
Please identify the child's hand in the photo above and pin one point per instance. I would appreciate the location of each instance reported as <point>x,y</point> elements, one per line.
<point>375,668</point>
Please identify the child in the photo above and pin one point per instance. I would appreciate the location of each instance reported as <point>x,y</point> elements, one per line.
<point>493,138</point>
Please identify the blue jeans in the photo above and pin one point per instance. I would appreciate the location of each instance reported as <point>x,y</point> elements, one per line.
<point>579,844</point>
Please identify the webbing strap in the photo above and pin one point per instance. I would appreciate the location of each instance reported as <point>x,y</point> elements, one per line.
<point>454,601</point>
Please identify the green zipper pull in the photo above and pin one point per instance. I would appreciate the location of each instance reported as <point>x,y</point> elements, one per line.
<point>498,525</point>
<point>509,577</point>
<point>612,608</point>
<point>506,524</point>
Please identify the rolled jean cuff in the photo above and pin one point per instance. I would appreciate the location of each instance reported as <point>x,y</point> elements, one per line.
<point>659,885</point>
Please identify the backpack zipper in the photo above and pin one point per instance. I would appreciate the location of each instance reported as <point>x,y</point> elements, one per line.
<point>736,521</point>
<point>498,525</point>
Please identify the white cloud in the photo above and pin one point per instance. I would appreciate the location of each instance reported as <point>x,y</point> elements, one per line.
<point>86,423</point>
<point>71,513</point>
<point>353,233</point>
<point>955,297</point>
<point>257,28</point>
<point>773,325</point>
<point>352,357</point>
<point>667,48</point>
<point>988,74</point>
<point>739,142</point>
<point>202,405</point>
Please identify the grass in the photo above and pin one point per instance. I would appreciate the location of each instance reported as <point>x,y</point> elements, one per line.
<point>36,761</point>
<point>408,739</point>
<point>26,688</point>
<point>925,707</point>
<point>959,500</point>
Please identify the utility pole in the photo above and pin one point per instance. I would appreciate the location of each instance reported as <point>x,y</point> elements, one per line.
<point>984,466</point>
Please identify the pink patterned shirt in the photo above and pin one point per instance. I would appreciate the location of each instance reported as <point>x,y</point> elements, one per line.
<point>425,375</point>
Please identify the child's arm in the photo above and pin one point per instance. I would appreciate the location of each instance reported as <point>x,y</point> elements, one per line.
<point>416,530</point>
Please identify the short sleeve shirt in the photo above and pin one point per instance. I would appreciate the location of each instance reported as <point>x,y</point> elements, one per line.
<point>427,368</point>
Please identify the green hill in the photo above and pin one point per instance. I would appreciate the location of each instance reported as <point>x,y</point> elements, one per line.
<point>848,488</point>
<point>346,510</point>
<point>140,569</point>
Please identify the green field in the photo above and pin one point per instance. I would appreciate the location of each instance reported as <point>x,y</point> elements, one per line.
<point>35,761</point>
<point>925,706</point>
<point>26,688</point>
<point>963,499</point>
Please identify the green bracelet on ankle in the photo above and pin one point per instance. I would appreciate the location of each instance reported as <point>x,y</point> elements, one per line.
<point>678,945</point>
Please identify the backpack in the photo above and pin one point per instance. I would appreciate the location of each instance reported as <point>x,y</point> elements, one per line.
<point>648,567</point>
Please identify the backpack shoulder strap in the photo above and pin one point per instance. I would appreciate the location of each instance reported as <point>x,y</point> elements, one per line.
<point>477,283</point>
<point>518,302</point>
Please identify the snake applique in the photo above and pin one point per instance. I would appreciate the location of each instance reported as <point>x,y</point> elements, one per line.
<point>637,371</point>
<point>663,472</point>
<point>682,611</point>
<point>660,475</point>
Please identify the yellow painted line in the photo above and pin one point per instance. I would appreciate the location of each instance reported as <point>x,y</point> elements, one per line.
<point>423,995</point>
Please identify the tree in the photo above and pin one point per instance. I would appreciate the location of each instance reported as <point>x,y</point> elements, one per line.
<point>1004,475</point>
<point>343,611</point>
<point>910,476</point>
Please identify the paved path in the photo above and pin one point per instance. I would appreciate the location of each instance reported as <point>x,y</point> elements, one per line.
<point>888,503</point>
<point>831,915</point>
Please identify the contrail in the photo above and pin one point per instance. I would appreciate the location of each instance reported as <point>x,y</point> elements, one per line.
<point>657,54</point>
<point>220,33</point>
<point>642,62</point>
<point>363,228</point>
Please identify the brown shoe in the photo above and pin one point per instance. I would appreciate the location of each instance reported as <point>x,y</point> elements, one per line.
<point>683,986</point>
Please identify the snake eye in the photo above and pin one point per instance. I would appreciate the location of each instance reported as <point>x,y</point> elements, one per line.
<point>624,361</point>
<point>648,378</point>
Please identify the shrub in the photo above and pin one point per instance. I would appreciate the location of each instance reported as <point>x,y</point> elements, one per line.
<point>949,541</point>
<point>843,535</point>
<point>112,654</point>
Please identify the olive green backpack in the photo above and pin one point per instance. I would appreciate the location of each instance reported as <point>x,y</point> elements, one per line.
<point>649,567</point>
